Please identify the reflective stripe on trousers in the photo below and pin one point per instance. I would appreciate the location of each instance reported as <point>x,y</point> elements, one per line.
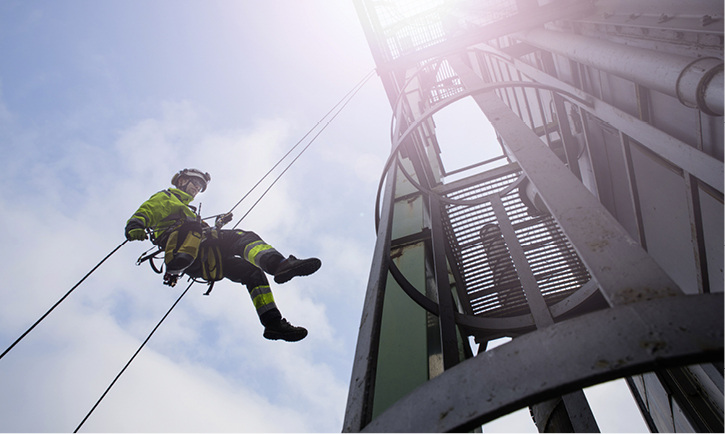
<point>253,251</point>
<point>262,299</point>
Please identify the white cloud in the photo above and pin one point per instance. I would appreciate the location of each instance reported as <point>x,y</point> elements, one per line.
<point>156,393</point>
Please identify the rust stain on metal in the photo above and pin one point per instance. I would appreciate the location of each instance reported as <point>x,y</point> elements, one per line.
<point>598,246</point>
<point>445,413</point>
<point>613,364</point>
<point>634,295</point>
<point>653,346</point>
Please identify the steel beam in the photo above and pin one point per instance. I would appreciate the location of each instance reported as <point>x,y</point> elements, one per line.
<point>534,298</point>
<point>570,355</point>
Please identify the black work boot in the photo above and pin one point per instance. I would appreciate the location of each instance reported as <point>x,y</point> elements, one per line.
<point>292,267</point>
<point>282,329</point>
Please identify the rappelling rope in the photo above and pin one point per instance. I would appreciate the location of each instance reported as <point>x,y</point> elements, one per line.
<point>134,356</point>
<point>331,114</point>
<point>61,299</point>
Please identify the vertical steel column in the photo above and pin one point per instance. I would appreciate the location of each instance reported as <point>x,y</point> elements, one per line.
<point>633,190</point>
<point>698,237</point>
<point>358,411</point>
<point>449,335</point>
<point>441,288</point>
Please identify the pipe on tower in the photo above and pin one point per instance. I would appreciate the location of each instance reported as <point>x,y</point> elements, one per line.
<point>696,83</point>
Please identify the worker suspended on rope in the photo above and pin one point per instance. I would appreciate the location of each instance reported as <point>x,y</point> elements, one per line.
<point>210,253</point>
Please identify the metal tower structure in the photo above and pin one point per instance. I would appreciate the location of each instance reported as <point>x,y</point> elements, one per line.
<point>594,240</point>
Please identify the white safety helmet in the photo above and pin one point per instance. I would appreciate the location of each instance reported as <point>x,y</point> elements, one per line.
<point>191,173</point>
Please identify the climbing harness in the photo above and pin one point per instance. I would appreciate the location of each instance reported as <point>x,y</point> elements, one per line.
<point>206,247</point>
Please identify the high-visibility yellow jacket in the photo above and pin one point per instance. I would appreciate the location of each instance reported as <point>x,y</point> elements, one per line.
<point>163,210</point>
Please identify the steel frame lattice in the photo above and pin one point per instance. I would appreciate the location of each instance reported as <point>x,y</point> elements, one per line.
<point>555,248</point>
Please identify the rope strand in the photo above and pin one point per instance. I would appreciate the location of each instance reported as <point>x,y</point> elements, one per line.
<point>341,104</point>
<point>108,389</point>
<point>61,300</point>
<point>355,89</point>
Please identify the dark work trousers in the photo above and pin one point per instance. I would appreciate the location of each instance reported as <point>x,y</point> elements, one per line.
<point>245,259</point>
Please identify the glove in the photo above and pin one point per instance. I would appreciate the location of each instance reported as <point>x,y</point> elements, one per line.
<point>135,234</point>
<point>222,219</point>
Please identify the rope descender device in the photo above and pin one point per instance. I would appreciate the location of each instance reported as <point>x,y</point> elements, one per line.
<point>222,219</point>
<point>171,279</point>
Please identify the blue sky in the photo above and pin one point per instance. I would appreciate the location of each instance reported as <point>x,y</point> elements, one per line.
<point>100,103</point>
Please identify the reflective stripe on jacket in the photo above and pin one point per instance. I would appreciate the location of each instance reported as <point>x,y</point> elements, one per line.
<point>163,210</point>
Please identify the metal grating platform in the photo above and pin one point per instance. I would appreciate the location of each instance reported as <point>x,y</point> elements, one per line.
<point>407,26</point>
<point>483,258</point>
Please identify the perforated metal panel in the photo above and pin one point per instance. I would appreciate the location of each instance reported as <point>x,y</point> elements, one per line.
<point>484,260</point>
<point>407,26</point>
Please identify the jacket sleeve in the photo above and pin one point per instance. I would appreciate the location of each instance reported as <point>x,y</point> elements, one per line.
<point>148,214</point>
<point>159,212</point>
